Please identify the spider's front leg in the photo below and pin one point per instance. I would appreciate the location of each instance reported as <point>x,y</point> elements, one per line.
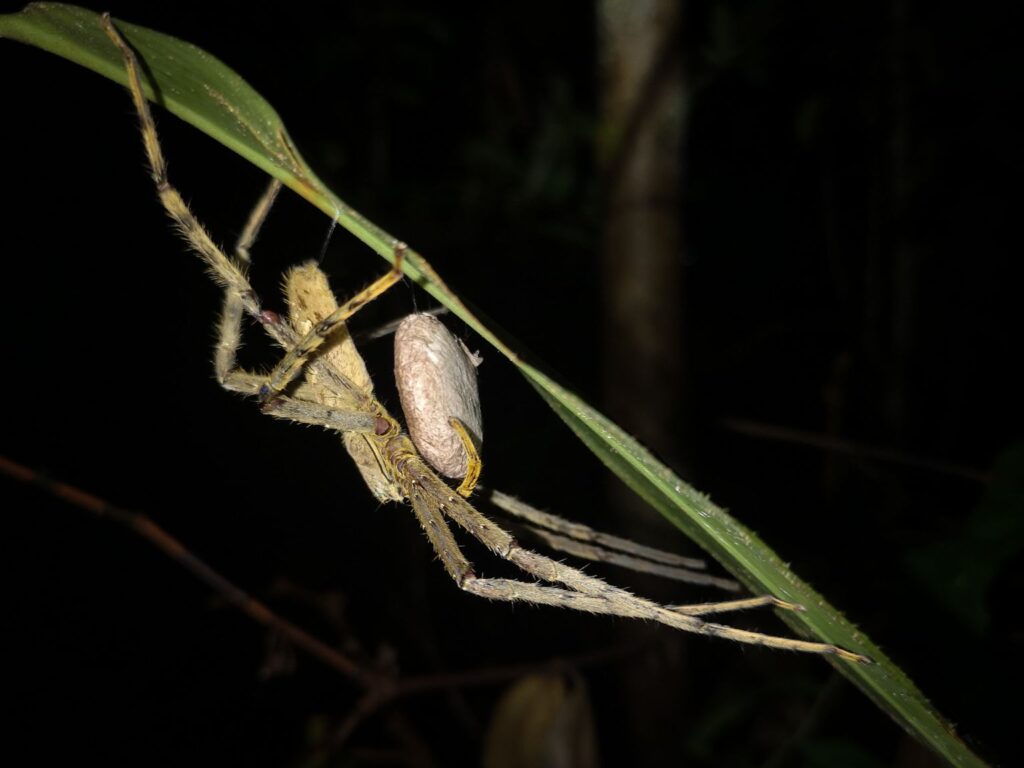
<point>238,292</point>
<point>223,269</point>
<point>229,327</point>
<point>229,340</point>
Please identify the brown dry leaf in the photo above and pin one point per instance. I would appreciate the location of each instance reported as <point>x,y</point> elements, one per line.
<point>543,720</point>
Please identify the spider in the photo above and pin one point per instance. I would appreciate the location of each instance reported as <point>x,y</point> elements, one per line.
<point>322,380</point>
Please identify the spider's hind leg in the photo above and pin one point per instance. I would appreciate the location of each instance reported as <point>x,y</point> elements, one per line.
<point>431,499</point>
<point>582,541</point>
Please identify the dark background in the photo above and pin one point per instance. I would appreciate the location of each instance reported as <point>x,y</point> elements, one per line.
<point>829,289</point>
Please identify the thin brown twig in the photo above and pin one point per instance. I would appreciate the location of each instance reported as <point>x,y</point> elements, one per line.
<point>490,675</point>
<point>782,434</point>
<point>372,701</point>
<point>380,689</point>
<point>368,703</point>
<point>809,722</point>
<point>170,546</point>
<point>416,751</point>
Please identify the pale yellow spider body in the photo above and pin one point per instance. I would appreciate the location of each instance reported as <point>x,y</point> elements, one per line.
<point>310,300</point>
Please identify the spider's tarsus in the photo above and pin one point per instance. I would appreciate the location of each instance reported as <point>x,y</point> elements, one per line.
<point>786,605</point>
<point>857,658</point>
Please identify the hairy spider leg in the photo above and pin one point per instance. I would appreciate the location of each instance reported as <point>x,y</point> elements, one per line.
<point>432,500</point>
<point>239,292</point>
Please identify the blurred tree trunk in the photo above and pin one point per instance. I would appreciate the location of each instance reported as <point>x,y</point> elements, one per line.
<point>643,105</point>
